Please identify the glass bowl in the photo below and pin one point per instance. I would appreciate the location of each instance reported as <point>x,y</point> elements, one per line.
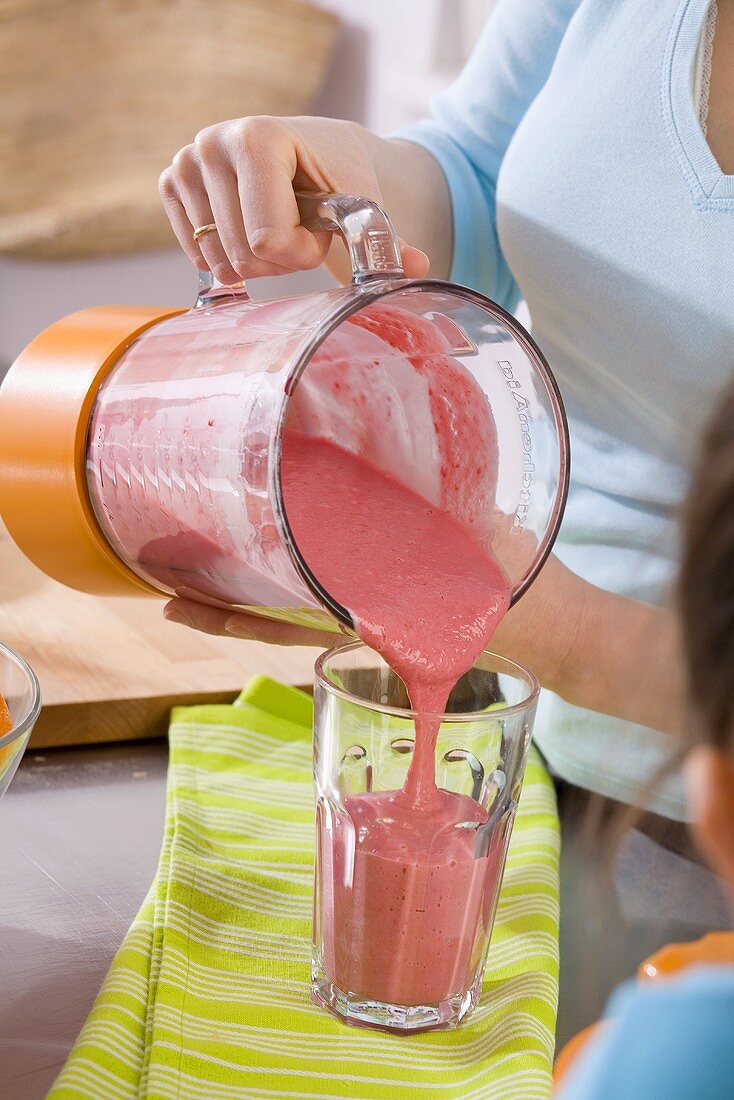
<point>20,689</point>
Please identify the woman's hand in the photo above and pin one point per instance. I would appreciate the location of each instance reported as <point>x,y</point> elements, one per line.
<point>240,175</point>
<point>214,620</point>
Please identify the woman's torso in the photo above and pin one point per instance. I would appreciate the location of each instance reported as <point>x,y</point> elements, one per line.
<point>618,225</point>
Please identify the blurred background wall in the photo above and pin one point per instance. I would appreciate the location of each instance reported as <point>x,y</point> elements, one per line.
<point>389,57</point>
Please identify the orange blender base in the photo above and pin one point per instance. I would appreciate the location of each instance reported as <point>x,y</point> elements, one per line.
<point>47,399</point>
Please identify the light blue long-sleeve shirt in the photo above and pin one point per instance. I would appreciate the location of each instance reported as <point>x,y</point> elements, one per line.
<point>667,1040</point>
<point>580,179</point>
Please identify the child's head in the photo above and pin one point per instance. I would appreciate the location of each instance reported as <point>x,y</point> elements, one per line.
<point>707,608</point>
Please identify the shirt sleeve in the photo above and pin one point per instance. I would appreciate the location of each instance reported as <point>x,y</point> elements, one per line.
<point>473,121</point>
<point>666,1041</point>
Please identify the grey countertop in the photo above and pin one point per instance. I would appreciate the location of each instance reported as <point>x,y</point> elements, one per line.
<point>80,831</point>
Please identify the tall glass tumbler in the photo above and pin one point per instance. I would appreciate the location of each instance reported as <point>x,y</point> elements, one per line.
<point>405,896</point>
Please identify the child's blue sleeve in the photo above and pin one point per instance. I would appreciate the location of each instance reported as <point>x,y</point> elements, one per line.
<point>671,1040</point>
<point>473,122</point>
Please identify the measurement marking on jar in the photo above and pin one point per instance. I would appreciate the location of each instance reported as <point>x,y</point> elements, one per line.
<point>528,466</point>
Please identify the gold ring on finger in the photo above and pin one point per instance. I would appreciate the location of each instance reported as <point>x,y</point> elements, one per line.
<point>202,230</point>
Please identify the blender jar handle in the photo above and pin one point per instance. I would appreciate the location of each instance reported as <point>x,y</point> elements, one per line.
<point>368,233</point>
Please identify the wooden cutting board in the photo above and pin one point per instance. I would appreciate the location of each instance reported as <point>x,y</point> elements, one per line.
<point>111,669</point>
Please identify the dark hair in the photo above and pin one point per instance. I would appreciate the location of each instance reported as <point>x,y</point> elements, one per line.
<point>706,579</point>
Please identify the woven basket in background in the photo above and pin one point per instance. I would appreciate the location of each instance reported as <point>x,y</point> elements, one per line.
<point>97,95</point>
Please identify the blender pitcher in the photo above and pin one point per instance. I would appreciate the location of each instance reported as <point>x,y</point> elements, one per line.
<point>140,448</point>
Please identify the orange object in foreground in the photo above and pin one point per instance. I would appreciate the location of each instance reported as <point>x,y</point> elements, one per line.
<point>568,1054</point>
<point>714,949</point>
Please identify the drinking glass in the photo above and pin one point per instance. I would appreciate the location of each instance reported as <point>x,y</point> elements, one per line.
<point>405,896</point>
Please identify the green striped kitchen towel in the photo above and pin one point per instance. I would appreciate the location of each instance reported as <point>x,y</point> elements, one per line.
<point>209,994</point>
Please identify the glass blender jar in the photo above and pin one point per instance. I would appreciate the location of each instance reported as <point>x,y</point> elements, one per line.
<point>154,460</point>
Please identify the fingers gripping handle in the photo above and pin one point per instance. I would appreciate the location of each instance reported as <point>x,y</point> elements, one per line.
<point>368,233</point>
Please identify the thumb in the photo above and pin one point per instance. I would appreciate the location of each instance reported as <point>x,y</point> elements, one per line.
<point>415,262</point>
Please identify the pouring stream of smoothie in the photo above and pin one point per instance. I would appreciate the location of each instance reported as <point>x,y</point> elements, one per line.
<point>407,554</point>
<point>421,590</point>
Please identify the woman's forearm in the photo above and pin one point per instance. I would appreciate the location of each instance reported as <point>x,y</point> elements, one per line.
<point>626,660</point>
<point>597,650</point>
<point>417,197</point>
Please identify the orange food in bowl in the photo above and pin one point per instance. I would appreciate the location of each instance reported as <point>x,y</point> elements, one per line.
<point>6,722</point>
